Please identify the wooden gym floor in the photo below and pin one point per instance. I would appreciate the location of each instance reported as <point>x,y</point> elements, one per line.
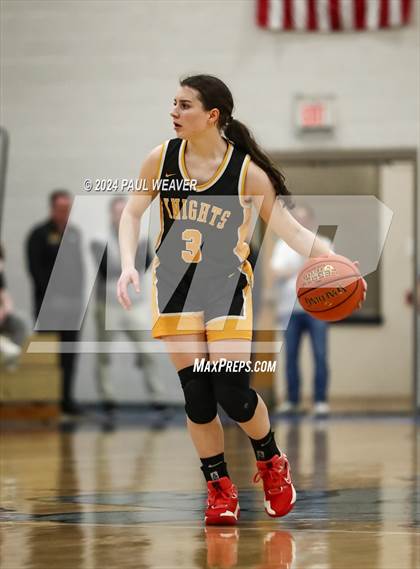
<point>132,497</point>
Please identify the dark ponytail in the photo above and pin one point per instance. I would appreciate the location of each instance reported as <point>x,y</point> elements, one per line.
<point>213,93</point>
<point>240,135</point>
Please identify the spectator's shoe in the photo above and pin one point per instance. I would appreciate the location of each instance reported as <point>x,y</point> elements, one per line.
<point>222,503</point>
<point>158,406</point>
<point>321,409</point>
<point>288,408</point>
<point>222,546</point>
<point>279,551</point>
<point>71,408</point>
<point>280,494</point>
<point>109,407</point>
<point>9,353</point>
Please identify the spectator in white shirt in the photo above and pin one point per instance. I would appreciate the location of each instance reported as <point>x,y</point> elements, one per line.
<point>291,317</point>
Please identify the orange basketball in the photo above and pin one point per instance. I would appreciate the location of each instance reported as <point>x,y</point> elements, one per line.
<point>329,288</point>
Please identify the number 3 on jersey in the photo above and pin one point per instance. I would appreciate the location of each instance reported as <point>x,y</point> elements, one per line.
<point>192,251</point>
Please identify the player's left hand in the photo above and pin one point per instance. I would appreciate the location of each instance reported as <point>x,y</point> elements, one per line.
<point>365,286</point>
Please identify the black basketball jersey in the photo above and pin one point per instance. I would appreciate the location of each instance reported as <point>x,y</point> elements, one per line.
<point>207,224</point>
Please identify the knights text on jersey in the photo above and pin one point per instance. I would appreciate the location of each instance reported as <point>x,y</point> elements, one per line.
<point>205,225</point>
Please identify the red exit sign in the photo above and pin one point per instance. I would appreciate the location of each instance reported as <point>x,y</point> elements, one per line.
<point>314,113</point>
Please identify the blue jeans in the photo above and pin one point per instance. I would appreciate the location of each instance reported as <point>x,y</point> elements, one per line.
<point>298,324</point>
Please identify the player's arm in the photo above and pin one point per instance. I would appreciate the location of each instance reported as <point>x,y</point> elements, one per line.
<point>259,189</point>
<point>130,224</point>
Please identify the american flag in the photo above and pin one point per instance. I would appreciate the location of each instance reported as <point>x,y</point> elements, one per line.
<point>332,15</point>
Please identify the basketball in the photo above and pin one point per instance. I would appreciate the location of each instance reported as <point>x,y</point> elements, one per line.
<point>329,288</point>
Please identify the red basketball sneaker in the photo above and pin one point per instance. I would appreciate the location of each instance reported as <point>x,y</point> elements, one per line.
<point>222,502</point>
<point>280,494</point>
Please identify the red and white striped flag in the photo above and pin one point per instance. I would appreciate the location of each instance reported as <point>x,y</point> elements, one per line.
<point>332,15</point>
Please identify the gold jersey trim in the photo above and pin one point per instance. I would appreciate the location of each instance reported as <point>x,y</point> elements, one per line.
<point>162,159</point>
<point>242,180</point>
<point>216,176</point>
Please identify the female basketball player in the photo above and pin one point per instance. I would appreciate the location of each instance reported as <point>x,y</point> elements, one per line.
<point>208,178</point>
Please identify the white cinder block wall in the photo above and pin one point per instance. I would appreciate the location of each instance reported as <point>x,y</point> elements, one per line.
<point>87,87</point>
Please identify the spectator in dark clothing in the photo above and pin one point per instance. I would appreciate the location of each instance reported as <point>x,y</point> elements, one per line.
<point>61,311</point>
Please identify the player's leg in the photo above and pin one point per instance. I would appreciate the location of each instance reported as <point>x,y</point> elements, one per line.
<point>232,388</point>
<point>204,425</point>
<point>247,408</point>
<point>201,408</point>
<point>229,334</point>
<point>178,320</point>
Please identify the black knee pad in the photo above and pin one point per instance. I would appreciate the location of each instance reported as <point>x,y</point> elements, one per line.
<point>200,402</point>
<point>234,394</point>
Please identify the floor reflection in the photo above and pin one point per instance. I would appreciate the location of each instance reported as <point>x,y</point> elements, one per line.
<point>229,547</point>
<point>134,498</point>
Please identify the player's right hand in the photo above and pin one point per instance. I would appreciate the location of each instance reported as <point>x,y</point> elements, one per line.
<point>128,276</point>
